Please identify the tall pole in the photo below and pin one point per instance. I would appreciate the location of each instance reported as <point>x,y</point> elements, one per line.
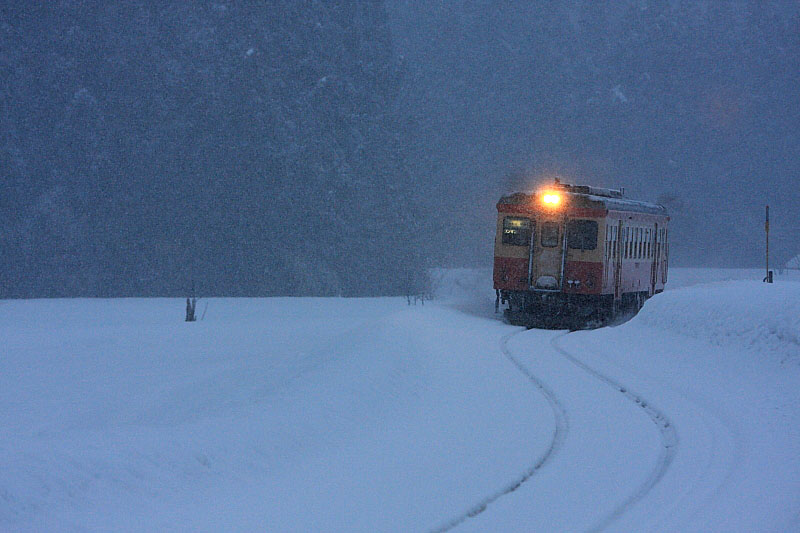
<point>766,230</point>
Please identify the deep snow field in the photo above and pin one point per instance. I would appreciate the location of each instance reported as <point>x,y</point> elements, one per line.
<point>331,414</point>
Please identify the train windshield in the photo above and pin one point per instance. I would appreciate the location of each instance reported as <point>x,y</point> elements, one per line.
<point>549,234</point>
<point>517,231</point>
<point>582,234</point>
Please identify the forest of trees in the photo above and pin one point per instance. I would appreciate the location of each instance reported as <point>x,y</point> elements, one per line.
<point>252,148</point>
<point>342,147</point>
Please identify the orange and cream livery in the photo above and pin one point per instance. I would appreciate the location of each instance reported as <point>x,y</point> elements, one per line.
<point>576,256</point>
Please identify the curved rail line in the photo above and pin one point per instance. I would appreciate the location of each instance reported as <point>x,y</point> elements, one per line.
<point>556,441</point>
<point>669,437</point>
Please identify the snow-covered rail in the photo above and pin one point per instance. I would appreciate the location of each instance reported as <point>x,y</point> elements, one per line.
<point>561,426</point>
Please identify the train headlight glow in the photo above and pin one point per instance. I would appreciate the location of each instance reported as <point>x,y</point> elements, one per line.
<point>551,199</point>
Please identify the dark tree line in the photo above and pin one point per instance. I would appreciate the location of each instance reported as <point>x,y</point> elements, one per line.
<point>252,147</point>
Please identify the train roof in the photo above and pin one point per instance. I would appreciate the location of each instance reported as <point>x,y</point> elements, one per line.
<point>584,196</point>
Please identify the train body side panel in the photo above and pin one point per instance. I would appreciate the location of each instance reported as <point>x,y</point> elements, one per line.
<point>641,253</point>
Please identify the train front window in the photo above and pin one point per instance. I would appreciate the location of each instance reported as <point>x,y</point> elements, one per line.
<point>549,234</point>
<point>517,231</point>
<point>582,234</point>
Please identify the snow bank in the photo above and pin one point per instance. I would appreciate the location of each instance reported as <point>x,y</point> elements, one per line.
<point>687,277</point>
<point>749,314</point>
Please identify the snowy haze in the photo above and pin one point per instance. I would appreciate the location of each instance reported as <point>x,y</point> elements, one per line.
<point>693,104</point>
<point>341,148</point>
<point>367,414</point>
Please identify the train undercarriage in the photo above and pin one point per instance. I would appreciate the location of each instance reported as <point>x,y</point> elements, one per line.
<point>557,310</point>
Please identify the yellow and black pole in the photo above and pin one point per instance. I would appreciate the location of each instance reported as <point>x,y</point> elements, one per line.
<point>768,277</point>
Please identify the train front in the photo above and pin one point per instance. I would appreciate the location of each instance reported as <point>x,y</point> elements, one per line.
<point>548,267</point>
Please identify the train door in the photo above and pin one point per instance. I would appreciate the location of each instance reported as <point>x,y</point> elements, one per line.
<point>656,255</point>
<point>531,246</point>
<point>547,255</point>
<point>618,262</point>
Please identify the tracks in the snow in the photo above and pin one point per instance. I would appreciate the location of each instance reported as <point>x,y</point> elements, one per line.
<point>669,440</point>
<point>556,440</point>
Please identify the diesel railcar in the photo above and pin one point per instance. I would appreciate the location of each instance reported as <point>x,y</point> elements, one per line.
<point>577,256</point>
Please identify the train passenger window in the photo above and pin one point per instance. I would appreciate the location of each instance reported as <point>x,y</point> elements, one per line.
<point>638,243</point>
<point>629,244</point>
<point>644,243</point>
<point>582,234</point>
<point>625,232</point>
<point>517,231</point>
<point>549,234</point>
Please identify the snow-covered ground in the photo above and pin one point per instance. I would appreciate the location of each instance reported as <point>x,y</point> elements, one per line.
<point>312,414</point>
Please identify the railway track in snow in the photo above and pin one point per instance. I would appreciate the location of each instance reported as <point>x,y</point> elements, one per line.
<point>561,426</point>
<point>668,435</point>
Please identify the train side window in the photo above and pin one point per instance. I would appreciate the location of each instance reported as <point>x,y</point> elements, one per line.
<point>625,243</point>
<point>582,234</point>
<point>517,231</point>
<point>631,243</point>
<point>639,242</point>
<point>549,233</point>
<point>644,242</point>
<point>614,236</point>
<point>613,240</point>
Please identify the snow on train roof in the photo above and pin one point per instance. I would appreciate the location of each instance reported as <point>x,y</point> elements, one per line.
<point>607,199</point>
